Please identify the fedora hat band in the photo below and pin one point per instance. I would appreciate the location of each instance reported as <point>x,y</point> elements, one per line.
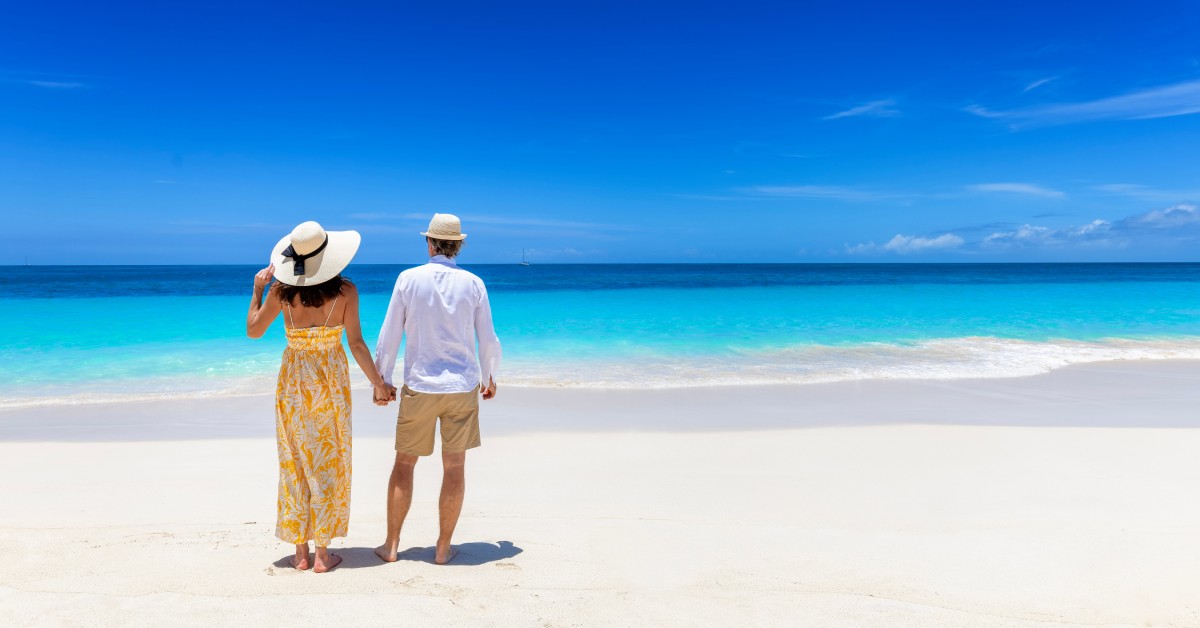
<point>298,258</point>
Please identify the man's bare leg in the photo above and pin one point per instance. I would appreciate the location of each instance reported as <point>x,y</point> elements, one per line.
<point>454,486</point>
<point>400,489</point>
<point>301,560</point>
<point>325,561</point>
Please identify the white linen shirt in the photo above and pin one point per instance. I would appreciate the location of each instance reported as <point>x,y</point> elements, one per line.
<point>442,309</point>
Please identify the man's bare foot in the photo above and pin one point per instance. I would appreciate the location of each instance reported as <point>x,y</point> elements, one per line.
<point>322,566</point>
<point>444,556</point>
<point>385,553</point>
<point>300,563</point>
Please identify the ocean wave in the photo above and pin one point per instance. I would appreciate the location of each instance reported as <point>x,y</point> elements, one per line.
<point>938,359</point>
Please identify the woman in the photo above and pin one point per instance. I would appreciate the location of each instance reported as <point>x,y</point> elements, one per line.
<point>312,398</point>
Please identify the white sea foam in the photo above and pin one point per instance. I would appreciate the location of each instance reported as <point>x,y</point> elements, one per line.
<point>942,359</point>
<point>952,358</point>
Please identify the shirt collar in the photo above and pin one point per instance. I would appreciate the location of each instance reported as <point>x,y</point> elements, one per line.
<point>443,260</point>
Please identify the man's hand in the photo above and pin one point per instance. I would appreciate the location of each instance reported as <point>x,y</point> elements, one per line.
<point>384,394</point>
<point>490,391</point>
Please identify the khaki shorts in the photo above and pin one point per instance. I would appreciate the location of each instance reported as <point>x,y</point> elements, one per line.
<point>419,411</point>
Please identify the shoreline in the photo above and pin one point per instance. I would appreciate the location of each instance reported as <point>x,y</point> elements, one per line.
<point>1097,388</point>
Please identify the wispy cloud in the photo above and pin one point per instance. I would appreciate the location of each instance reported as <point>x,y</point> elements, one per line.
<point>379,216</point>
<point>1178,99</point>
<point>814,191</point>
<point>501,221</point>
<point>544,223</point>
<point>58,84</point>
<point>1017,188</point>
<point>873,109</point>
<point>1145,192</point>
<point>47,80</point>
<point>1038,83</point>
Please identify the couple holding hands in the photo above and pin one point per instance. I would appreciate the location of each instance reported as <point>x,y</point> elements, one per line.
<point>441,311</point>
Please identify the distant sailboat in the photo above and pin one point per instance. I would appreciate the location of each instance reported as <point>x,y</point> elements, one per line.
<point>523,262</point>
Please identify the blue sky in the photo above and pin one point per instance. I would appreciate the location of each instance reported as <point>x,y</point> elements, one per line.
<point>604,132</point>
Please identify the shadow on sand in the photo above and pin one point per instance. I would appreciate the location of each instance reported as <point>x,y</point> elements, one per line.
<point>469,554</point>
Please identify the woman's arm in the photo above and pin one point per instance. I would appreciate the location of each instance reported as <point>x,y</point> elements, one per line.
<point>359,349</point>
<point>262,314</point>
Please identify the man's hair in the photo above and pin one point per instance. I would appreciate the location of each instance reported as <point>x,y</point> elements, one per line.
<point>449,248</point>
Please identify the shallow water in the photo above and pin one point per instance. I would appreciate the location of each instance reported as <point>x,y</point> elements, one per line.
<point>113,332</point>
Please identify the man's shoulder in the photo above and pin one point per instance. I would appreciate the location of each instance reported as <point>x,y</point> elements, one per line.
<point>415,271</point>
<point>426,271</point>
<point>470,276</point>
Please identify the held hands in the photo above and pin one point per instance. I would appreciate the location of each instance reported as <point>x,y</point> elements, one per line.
<point>263,277</point>
<point>384,393</point>
<point>490,391</point>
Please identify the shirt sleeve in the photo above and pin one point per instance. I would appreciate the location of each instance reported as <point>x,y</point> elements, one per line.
<point>390,335</point>
<point>489,344</point>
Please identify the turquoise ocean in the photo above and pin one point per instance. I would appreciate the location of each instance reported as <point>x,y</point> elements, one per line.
<point>116,333</point>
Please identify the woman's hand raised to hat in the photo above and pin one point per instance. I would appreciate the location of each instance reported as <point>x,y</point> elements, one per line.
<point>263,278</point>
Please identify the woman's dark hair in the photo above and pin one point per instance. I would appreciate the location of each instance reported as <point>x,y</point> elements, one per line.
<point>312,296</point>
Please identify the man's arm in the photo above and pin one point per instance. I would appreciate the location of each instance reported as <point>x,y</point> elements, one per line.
<point>489,345</point>
<point>390,336</point>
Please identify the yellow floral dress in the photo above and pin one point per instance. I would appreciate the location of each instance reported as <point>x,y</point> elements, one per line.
<point>312,425</point>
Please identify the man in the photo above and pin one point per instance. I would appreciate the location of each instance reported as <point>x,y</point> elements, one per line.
<point>443,310</point>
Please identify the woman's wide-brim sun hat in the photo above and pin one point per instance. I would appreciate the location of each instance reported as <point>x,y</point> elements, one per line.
<point>310,255</point>
<point>445,227</point>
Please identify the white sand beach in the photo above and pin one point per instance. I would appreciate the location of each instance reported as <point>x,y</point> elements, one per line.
<point>1061,499</point>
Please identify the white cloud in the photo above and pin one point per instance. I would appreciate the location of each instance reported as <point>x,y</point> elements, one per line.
<point>1026,235</point>
<point>904,245</point>
<point>1178,223</point>
<point>1181,216</point>
<point>1017,188</point>
<point>874,109</point>
<point>915,244</point>
<point>1178,99</point>
<point>1094,228</point>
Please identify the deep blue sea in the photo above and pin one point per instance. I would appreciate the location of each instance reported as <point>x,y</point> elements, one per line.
<point>132,332</point>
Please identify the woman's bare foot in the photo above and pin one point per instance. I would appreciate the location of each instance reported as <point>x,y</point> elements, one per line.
<point>301,560</point>
<point>443,556</point>
<point>385,553</point>
<point>328,564</point>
